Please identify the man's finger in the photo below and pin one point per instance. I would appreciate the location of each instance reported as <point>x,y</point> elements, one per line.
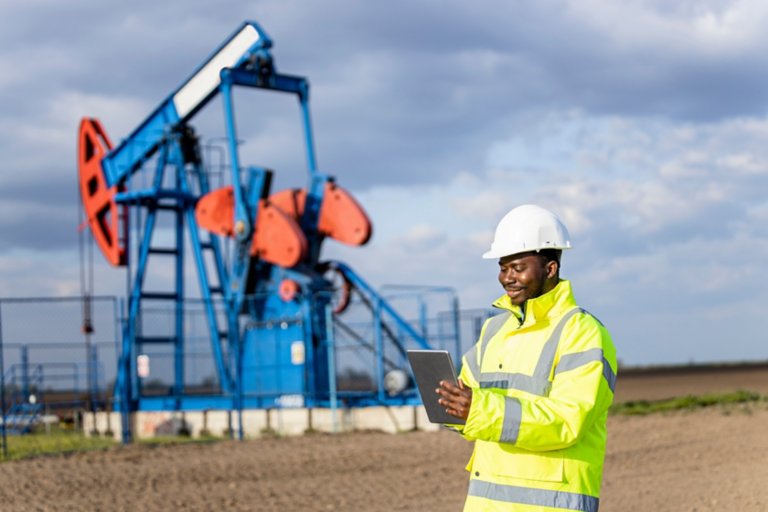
<point>447,385</point>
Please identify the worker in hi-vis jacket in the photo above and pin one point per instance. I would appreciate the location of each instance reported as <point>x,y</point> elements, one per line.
<point>536,387</point>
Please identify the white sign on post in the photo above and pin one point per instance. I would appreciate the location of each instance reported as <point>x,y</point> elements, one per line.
<point>142,365</point>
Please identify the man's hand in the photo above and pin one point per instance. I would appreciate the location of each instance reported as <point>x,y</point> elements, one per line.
<point>456,400</point>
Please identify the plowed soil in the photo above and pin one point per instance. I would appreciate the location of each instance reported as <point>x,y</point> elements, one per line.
<point>710,459</point>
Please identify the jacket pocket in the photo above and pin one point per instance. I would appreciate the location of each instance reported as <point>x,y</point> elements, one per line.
<point>535,467</point>
<point>519,464</point>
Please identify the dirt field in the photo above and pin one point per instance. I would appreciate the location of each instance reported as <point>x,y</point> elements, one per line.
<point>714,459</point>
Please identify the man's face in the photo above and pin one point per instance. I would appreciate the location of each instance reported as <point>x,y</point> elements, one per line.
<point>526,276</point>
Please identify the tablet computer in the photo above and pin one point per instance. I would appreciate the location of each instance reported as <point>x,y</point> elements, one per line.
<point>429,368</point>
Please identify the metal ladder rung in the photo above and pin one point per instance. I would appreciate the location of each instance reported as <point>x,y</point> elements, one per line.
<point>163,206</point>
<point>159,296</point>
<point>163,250</point>
<point>155,339</point>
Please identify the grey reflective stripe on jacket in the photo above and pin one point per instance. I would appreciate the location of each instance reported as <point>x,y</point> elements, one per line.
<point>538,383</point>
<point>493,326</point>
<point>573,361</point>
<point>513,416</point>
<point>535,497</point>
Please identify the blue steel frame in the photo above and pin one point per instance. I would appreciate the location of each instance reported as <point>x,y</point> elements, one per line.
<point>165,133</point>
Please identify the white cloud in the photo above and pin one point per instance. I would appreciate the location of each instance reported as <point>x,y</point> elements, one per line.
<point>663,232</point>
<point>703,27</point>
<point>640,122</point>
<point>483,204</point>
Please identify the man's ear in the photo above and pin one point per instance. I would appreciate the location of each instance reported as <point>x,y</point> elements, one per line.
<point>552,267</point>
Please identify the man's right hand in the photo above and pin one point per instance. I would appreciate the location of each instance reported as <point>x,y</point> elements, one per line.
<point>457,400</point>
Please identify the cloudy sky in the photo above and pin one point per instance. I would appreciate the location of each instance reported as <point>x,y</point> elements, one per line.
<point>641,123</point>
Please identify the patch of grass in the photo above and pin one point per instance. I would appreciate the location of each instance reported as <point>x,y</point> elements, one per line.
<point>685,403</point>
<point>62,441</point>
<point>56,442</point>
<point>171,440</point>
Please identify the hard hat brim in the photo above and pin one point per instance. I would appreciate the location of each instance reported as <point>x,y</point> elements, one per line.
<point>494,255</point>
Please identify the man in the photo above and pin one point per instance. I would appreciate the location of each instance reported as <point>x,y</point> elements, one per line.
<point>535,389</point>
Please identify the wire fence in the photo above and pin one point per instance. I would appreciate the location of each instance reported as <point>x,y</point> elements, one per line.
<point>59,356</point>
<point>58,359</point>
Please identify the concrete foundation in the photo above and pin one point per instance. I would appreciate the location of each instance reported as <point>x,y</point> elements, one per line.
<point>258,422</point>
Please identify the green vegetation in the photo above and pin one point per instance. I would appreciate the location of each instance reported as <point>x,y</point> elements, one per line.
<point>180,439</point>
<point>55,442</point>
<point>64,440</point>
<point>689,402</point>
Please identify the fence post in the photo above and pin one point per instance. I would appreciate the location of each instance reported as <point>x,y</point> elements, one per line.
<point>94,361</point>
<point>379,340</point>
<point>25,373</point>
<point>329,338</point>
<point>456,328</point>
<point>93,390</point>
<point>2,385</point>
<point>239,348</point>
<point>126,354</point>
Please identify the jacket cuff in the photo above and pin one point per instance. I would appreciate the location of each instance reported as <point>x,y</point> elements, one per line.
<point>492,417</point>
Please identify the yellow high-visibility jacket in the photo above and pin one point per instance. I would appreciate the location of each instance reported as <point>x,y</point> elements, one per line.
<point>542,381</point>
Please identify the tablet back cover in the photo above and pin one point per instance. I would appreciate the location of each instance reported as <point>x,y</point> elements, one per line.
<point>429,368</point>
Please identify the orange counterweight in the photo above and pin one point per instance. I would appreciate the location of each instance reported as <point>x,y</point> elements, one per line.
<point>341,217</point>
<point>277,237</point>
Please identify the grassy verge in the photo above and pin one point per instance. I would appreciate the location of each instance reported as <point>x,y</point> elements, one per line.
<point>166,440</point>
<point>685,403</point>
<point>55,442</point>
<point>59,440</point>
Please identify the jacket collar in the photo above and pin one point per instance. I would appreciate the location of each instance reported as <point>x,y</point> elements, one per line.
<point>552,304</point>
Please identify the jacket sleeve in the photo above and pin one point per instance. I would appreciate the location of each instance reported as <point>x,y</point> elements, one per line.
<point>470,372</point>
<point>582,382</point>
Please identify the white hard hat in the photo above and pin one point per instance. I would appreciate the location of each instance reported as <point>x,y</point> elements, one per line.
<point>528,228</point>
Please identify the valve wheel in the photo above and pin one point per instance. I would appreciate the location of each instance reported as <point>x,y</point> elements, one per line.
<point>341,287</point>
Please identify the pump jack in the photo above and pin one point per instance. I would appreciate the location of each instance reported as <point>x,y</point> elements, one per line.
<point>274,275</point>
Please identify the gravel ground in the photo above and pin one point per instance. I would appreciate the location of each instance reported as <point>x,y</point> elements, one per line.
<point>711,459</point>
